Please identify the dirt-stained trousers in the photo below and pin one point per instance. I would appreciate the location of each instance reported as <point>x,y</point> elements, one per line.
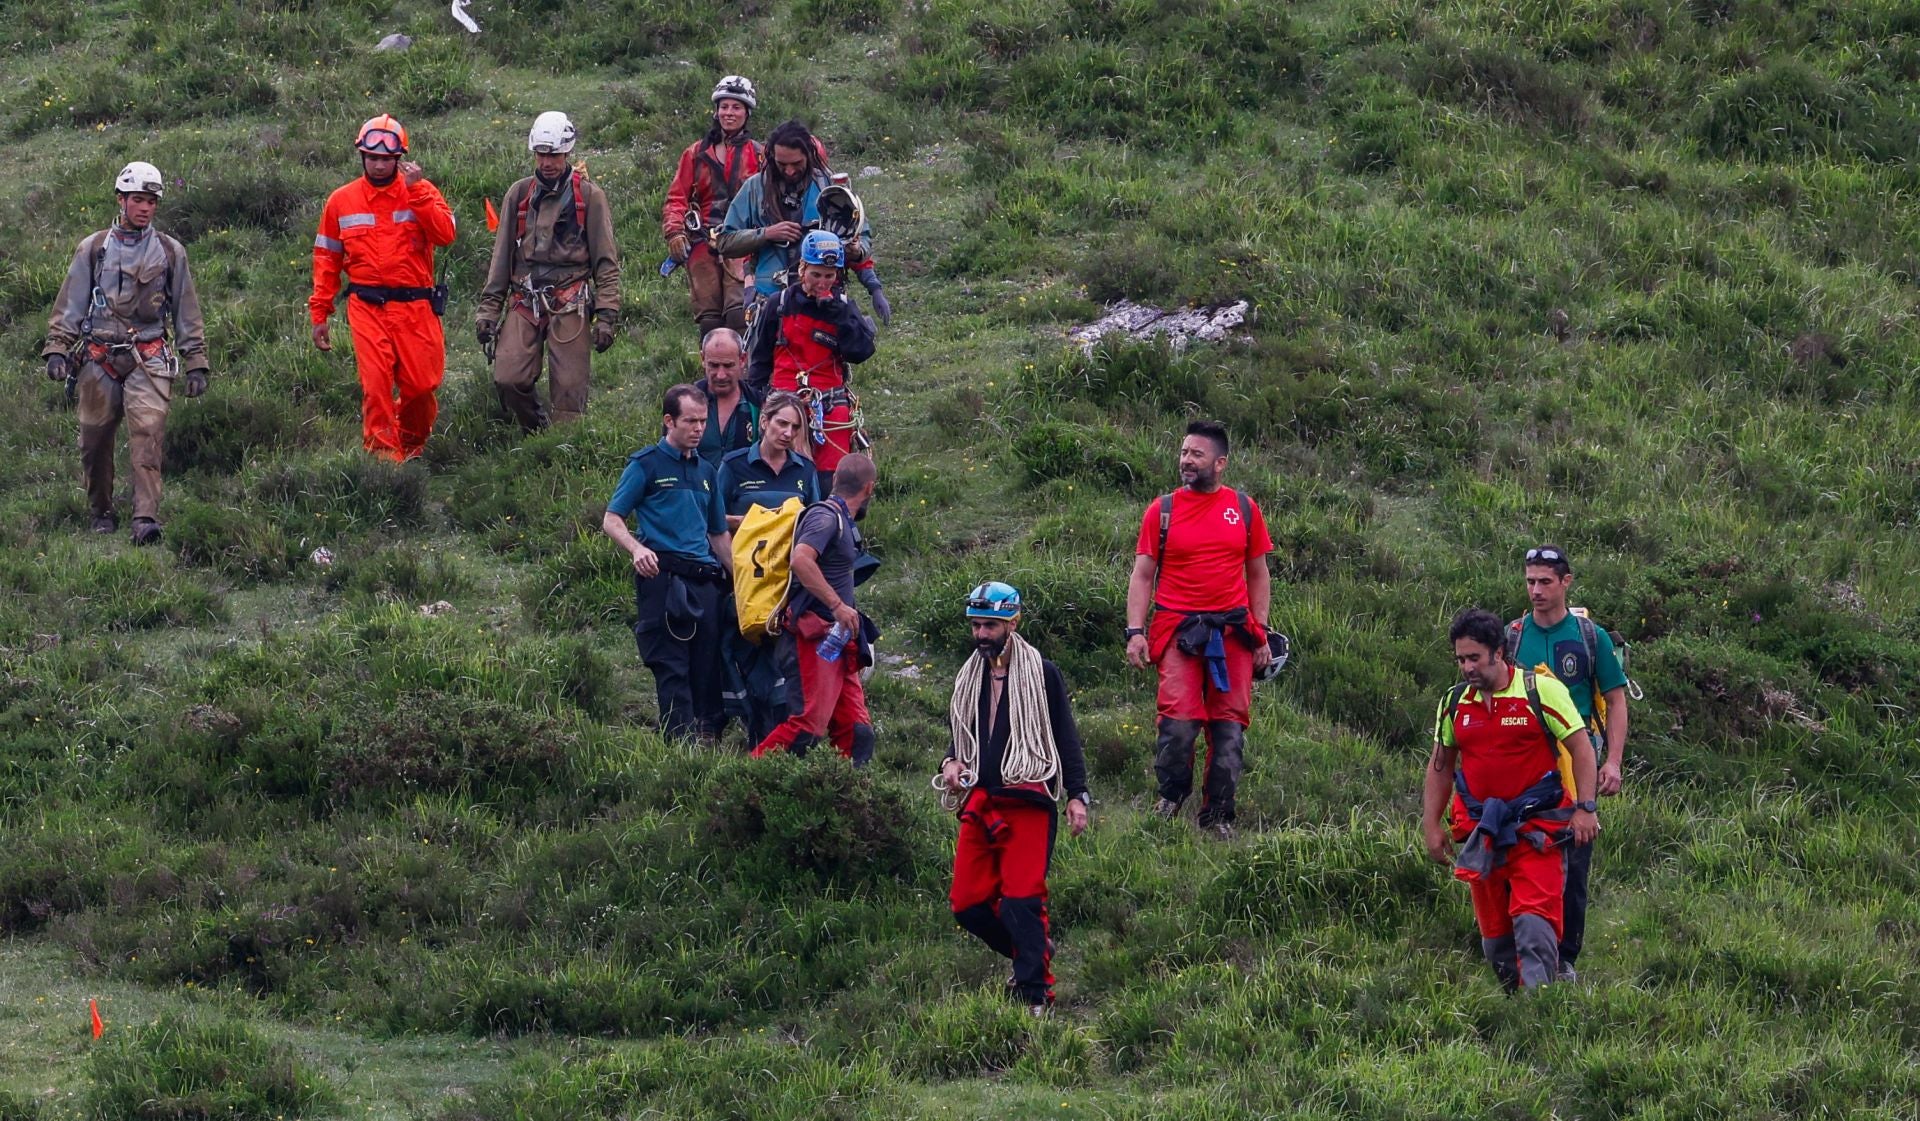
<point>567,342</point>
<point>142,399</point>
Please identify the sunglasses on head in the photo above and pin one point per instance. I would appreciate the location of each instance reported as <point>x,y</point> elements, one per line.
<point>380,142</point>
<point>1547,555</point>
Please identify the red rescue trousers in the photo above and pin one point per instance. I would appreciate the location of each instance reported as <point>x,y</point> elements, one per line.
<point>1527,882</point>
<point>827,699</point>
<point>1000,884</point>
<point>402,356</point>
<point>1186,691</point>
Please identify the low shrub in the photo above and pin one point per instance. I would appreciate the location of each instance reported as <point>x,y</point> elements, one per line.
<point>770,818</point>
<point>181,1068</point>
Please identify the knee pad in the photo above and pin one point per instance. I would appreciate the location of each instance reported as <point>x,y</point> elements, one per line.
<point>1228,740</point>
<point>1499,952</point>
<point>1179,735</point>
<point>863,743</point>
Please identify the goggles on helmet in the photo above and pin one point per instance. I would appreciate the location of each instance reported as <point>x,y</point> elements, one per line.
<point>381,142</point>
<point>548,150</point>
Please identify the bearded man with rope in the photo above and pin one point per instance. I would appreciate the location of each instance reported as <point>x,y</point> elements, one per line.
<point>1015,751</point>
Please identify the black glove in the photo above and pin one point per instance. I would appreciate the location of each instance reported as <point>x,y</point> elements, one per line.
<point>58,367</point>
<point>485,330</point>
<point>196,383</point>
<point>881,307</point>
<point>605,330</point>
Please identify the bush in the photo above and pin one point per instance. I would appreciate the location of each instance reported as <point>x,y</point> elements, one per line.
<point>769,818</point>
<point>180,1068</point>
<point>233,541</point>
<point>216,433</point>
<point>343,492</point>
<point>1099,454</point>
<point>433,741</point>
<point>1788,108</point>
<point>1518,88</point>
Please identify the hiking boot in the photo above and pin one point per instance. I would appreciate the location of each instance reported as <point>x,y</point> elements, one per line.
<point>1566,975</point>
<point>106,522</point>
<point>1040,1011</point>
<point>1220,830</point>
<point>1166,808</point>
<point>146,531</point>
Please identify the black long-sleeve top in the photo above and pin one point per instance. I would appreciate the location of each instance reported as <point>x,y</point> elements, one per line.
<point>994,726</point>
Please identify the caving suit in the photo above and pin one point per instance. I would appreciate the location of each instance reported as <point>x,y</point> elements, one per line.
<point>123,291</point>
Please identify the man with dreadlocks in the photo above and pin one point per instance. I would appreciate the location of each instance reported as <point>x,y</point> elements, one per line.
<point>1015,751</point>
<point>774,209</point>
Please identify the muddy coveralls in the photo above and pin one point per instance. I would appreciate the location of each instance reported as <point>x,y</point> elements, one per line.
<point>703,186</point>
<point>122,292</point>
<point>383,239</point>
<point>555,265</point>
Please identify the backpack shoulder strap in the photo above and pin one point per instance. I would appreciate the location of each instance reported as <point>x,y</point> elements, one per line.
<point>1166,523</point>
<point>1516,630</point>
<point>1246,514</point>
<point>96,256</point>
<point>579,203</point>
<point>1529,679</point>
<point>1591,639</point>
<point>1447,710</point>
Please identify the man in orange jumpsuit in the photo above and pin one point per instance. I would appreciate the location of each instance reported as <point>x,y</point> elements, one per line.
<point>382,229</point>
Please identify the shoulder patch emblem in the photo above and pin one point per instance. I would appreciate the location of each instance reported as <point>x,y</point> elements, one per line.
<point>1232,514</point>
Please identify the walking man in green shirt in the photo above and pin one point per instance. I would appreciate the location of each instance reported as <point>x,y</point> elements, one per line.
<point>1581,655</point>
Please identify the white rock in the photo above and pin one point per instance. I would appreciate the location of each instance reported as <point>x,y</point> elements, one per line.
<point>869,171</point>
<point>437,607</point>
<point>394,42</point>
<point>322,556</point>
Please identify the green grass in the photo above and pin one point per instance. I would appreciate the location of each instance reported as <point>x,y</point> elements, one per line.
<point>1635,277</point>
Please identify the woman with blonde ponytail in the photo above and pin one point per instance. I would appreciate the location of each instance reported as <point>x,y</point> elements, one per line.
<point>1015,752</point>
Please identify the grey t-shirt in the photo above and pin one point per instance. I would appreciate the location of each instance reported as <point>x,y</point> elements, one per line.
<point>827,528</point>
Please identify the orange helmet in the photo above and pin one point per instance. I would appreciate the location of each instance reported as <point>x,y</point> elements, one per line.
<point>382,136</point>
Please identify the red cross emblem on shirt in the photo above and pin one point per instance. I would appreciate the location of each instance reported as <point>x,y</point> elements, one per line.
<point>1232,514</point>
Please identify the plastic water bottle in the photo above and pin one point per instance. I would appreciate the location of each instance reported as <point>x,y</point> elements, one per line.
<point>836,641</point>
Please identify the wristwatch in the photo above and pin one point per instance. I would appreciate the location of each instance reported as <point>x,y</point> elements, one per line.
<point>1589,806</point>
<point>1136,631</point>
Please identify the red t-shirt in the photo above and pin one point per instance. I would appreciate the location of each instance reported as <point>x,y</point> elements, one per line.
<point>1208,547</point>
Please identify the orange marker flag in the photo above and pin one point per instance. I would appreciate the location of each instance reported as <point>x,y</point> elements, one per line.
<point>493,217</point>
<point>93,1009</point>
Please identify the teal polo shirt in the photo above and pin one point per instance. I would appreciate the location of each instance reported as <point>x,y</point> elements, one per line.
<point>747,481</point>
<point>1559,648</point>
<point>673,501</point>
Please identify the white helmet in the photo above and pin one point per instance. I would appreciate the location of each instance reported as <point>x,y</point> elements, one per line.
<point>736,87</point>
<point>552,132</point>
<point>138,177</point>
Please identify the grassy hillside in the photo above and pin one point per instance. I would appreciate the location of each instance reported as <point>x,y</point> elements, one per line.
<point>1635,276</point>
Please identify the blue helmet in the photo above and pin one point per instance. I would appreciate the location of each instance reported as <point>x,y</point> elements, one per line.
<point>822,247</point>
<point>993,600</point>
